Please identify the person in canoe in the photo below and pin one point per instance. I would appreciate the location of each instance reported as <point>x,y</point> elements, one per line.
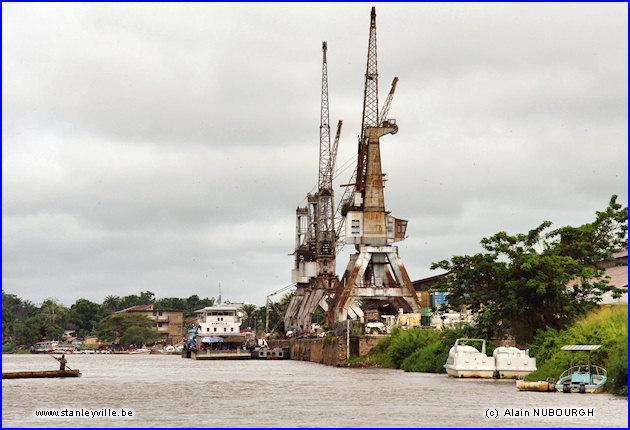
<point>62,362</point>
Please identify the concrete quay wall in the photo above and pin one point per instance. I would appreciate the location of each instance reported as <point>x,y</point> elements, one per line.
<point>331,350</point>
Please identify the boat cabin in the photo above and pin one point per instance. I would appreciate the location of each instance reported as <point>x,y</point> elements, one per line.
<point>219,320</point>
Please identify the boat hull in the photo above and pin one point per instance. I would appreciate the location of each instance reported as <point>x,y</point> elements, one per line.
<point>576,389</point>
<point>43,374</point>
<point>222,355</point>
<point>513,374</point>
<point>469,373</point>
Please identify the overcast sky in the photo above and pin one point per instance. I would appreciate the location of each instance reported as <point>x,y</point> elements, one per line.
<point>165,147</point>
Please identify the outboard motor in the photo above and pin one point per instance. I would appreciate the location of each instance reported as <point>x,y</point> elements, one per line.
<point>566,388</point>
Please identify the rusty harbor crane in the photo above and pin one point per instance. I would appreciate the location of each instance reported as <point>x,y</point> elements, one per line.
<point>316,236</point>
<point>375,277</point>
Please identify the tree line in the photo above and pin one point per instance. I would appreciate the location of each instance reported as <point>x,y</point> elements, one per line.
<point>24,323</point>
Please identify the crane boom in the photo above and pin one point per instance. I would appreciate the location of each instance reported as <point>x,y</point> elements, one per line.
<point>388,102</point>
<point>333,152</point>
<point>268,302</point>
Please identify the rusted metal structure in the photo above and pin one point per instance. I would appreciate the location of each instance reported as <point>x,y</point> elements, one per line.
<point>375,275</point>
<point>316,236</point>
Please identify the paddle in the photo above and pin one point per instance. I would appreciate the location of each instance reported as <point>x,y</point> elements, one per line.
<point>58,359</point>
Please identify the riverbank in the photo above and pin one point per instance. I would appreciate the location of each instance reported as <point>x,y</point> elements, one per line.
<point>419,350</point>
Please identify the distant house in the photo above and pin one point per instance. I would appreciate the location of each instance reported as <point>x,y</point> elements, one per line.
<point>618,276</point>
<point>430,299</point>
<point>168,324</point>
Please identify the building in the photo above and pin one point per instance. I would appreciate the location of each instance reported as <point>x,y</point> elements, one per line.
<point>428,298</point>
<point>168,324</point>
<point>618,272</point>
<point>220,319</point>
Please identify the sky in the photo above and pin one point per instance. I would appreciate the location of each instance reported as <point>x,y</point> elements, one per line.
<point>165,147</point>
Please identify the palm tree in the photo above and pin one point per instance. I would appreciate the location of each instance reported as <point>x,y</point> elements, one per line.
<point>112,302</point>
<point>250,312</point>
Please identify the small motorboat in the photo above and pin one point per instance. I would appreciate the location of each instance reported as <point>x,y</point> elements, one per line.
<point>42,374</point>
<point>582,378</point>
<point>465,361</point>
<point>513,363</point>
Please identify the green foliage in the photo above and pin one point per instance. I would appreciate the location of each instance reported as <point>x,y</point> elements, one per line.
<point>145,298</point>
<point>426,359</point>
<point>54,332</point>
<point>86,315</point>
<point>30,331</point>
<point>8,347</point>
<point>606,326</point>
<point>250,315</point>
<point>405,342</point>
<point>115,326</point>
<point>186,306</point>
<point>138,336</point>
<point>14,311</point>
<point>528,282</point>
<point>618,369</point>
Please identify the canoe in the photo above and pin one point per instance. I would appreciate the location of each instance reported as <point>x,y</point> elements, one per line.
<point>43,374</point>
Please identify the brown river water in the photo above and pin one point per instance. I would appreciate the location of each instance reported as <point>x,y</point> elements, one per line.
<point>168,391</point>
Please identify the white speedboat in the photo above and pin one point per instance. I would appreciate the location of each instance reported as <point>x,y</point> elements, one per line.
<point>465,361</point>
<point>513,363</point>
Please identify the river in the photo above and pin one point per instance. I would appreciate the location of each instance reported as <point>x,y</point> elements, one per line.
<point>168,391</point>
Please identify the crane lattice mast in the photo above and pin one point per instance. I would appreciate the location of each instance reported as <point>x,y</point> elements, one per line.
<point>370,104</point>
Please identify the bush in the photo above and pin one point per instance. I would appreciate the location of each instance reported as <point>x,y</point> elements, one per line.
<point>406,342</point>
<point>427,359</point>
<point>8,347</point>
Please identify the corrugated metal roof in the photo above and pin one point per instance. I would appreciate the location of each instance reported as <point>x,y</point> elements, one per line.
<point>580,347</point>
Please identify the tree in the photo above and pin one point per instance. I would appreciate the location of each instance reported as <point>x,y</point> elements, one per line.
<point>86,315</point>
<point>138,336</point>
<point>115,326</point>
<point>112,303</point>
<point>532,281</point>
<point>54,332</point>
<point>30,331</point>
<point>250,315</point>
<point>14,312</point>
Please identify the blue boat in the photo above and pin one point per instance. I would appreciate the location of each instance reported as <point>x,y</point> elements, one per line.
<point>582,378</point>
